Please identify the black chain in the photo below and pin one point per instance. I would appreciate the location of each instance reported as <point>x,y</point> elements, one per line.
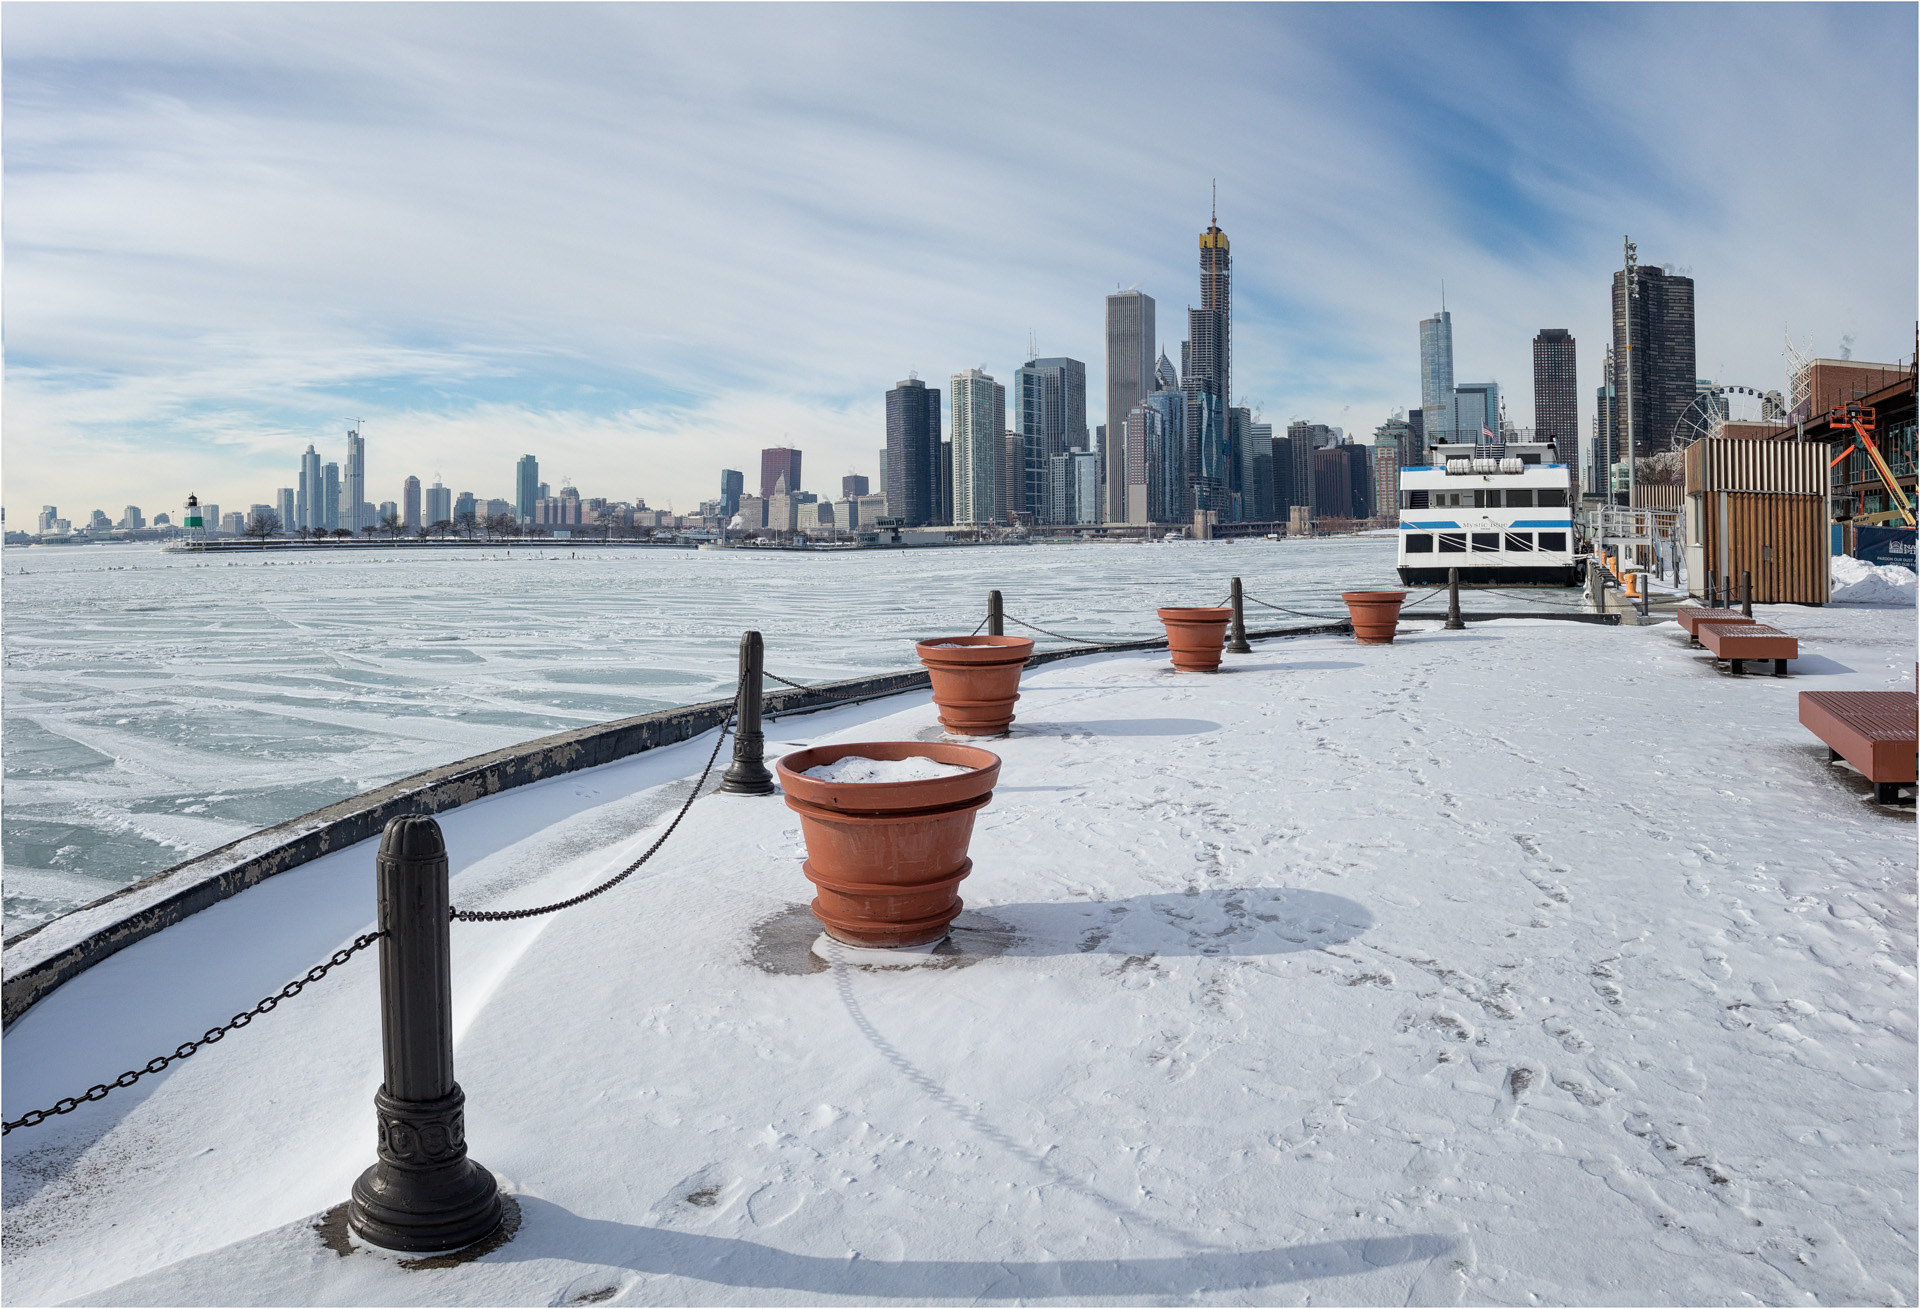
<point>508,915</point>
<point>1297,613</point>
<point>976,630</point>
<point>34,1117</point>
<point>820,690</point>
<point>1077,640</point>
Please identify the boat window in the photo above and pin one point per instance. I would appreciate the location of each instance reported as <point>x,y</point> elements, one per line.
<point>1553,497</point>
<point>1519,540</point>
<point>1453,543</point>
<point>1419,543</point>
<point>1553,540</point>
<point>1486,499</point>
<point>1486,542</point>
<point>1529,459</point>
<point>1521,499</point>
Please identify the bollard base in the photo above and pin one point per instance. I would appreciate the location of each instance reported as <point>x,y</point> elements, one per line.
<point>424,1195</point>
<point>899,956</point>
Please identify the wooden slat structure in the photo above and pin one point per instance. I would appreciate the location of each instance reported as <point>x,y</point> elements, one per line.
<point>1759,507</point>
<point>1691,616</point>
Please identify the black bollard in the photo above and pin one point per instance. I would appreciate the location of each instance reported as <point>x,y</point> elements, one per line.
<point>424,1194</point>
<point>1237,642</point>
<point>1712,587</point>
<point>1746,593</point>
<point>747,774</point>
<point>1454,622</point>
<point>996,615</point>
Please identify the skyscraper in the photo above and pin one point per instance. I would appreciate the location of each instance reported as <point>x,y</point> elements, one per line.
<point>776,463</point>
<point>1436,375</point>
<point>979,427</point>
<point>911,479</point>
<point>1556,393</point>
<point>1050,413</point>
<point>410,504</point>
<point>852,486</point>
<point>439,505</point>
<point>1130,341</point>
<point>353,489</point>
<point>733,485</point>
<point>288,507</point>
<point>1260,439</point>
<point>526,487</point>
<point>330,496</point>
<point>1473,414</point>
<point>1207,374</point>
<point>1654,381</point>
<point>309,510</point>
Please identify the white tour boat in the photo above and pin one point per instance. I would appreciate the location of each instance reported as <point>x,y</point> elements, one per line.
<point>1499,514</point>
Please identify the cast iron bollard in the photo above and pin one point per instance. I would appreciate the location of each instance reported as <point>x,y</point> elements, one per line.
<point>424,1194</point>
<point>996,615</point>
<point>1454,622</point>
<point>1746,593</point>
<point>1237,642</point>
<point>747,774</point>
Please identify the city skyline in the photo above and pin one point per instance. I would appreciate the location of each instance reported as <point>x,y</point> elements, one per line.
<point>215,327</point>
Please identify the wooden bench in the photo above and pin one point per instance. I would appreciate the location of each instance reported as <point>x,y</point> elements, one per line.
<point>1872,730</point>
<point>1743,639</point>
<point>1691,616</point>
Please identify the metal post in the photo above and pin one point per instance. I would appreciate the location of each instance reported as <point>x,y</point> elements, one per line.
<point>1713,582</point>
<point>1454,622</point>
<point>424,1193</point>
<point>1746,593</point>
<point>1237,641</point>
<point>996,615</point>
<point>747,774</point>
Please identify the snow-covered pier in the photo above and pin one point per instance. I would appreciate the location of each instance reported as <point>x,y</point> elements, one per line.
<point>1538,962</point>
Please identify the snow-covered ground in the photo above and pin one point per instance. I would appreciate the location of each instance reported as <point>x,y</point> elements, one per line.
<point>159,705</point>
<point>1535,963</point>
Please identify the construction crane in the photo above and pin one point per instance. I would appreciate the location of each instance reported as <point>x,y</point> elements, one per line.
<point>1860,419</point>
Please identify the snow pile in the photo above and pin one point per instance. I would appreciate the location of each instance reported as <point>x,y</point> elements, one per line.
<point>858,768</point>
<point>1858,583</point>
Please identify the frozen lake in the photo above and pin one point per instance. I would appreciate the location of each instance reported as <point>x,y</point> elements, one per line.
<point>157,706</point>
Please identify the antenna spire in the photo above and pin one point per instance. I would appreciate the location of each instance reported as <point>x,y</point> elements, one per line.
<point>1214,221</point>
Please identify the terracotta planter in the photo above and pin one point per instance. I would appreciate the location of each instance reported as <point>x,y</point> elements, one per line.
<point>1375,615</point>
<point>886,858</point>
<point>1195,637</point>
<point>976,679</point>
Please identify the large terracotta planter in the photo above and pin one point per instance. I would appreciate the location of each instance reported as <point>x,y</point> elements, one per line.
<point>1375,615</point>
<point>976,679</point>
<point>1195,637</point>
<point>886,858</point>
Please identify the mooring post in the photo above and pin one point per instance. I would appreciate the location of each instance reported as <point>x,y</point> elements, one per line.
<point>1454,622</point>
<point>424,1194</point>
<point>996,615</point>
<point>747,774</point>
<point>1237,641</point>
<point>1746,593</point>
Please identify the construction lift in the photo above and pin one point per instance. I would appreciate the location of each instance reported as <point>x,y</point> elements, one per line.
<point>1860,419</point>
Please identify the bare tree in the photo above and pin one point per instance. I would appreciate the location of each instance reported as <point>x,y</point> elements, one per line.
<point>390,524</point>
<point>262,524</point>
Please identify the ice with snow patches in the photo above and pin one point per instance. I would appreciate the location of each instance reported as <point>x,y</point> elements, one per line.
<point>1361,975</point>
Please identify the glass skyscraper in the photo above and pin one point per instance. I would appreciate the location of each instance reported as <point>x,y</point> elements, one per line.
<point>526,487</point>
<point>1436,375</point>
<point>1129,379</point>
<point>979,446</point>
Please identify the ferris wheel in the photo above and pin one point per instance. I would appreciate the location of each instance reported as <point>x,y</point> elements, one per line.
<point>1708,413</point>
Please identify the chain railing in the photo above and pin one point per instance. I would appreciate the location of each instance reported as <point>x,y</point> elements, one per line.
<point>186,1049</point>
<point>513,915</point>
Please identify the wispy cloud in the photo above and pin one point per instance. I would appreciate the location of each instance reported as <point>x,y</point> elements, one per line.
<point>643,241</point>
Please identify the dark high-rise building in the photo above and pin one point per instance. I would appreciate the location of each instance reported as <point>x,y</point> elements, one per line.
<point>775,464</point>
<point>526,487</point>
<point>1654,381</point>
<point>1129,380</point>
<point>1414,454</point>
<point>914,478</point>
<point>733,485</point>
<point>1332,483</point>
<point>851,485</point>
<point>1359,478</point>
<point>1207,370</point>
<point>1050,413</point>
<point>1556,393</point>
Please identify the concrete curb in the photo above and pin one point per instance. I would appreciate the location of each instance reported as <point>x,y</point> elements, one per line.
<point>38,960</point>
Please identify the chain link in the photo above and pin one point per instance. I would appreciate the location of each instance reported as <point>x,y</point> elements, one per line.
<point>509,915</point>
<point>821,690</point>
<point>1077,640</point>
<point>66,1105</point>
<point>1297,613</point>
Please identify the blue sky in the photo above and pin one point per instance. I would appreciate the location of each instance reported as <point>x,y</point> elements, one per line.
<point>643,242</point>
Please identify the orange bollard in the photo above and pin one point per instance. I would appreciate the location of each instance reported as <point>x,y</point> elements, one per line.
<point>1633,585</point>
